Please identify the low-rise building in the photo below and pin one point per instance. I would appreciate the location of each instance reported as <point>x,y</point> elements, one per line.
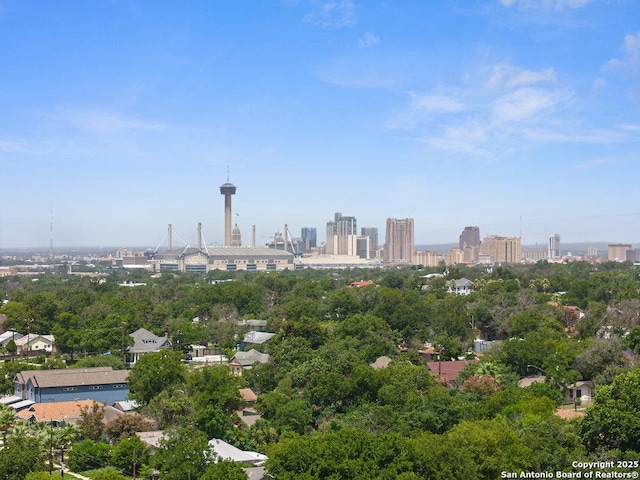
<point>65,413</point>
<point>461,286</point>
<point>102,384</point>
<point>145,341</point>
<point>34,342</point>
<point>242,361</point>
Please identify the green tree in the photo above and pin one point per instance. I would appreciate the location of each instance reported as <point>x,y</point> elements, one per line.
<point>214,386</point>
<point>109,475</point>
<point>38,476</point>
<point>112,361</point>
<point>183,454</point>
<point>171,409</point>
<point>20,456</point>
<point>554,442</point>
<point>214,422</point>
<point>125,426</point>
<point>352,454</point>
<point>224,470</point>
<point>88,455</point>
<point>7,421</point>
<point>600,354</point>
<point>91,421</point>
<point>482,450</point>
<point>612,422</point>
<point>155,372</point>
<point>130,454</point>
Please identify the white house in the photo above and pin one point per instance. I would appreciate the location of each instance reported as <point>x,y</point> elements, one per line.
<point>34,342</point>
<point>462,286</point>
<point>145,341</point>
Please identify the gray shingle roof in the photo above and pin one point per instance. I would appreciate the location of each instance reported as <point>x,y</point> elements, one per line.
<point>72,377</point>
<point>146,341</point>
<point>246,359</point>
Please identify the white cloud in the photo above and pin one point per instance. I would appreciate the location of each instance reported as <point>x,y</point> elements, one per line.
<point>630,59</point>
<point>333,13</point>
<point>437,103</point>
<point>524,103</point>
<point>556,5</point>
<point>368,40</point>
<point>468,137</point>
<point>499,110</point>
<point>505,75</point>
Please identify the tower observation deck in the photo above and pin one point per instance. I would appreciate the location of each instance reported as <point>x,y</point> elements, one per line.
<point>227,189</point>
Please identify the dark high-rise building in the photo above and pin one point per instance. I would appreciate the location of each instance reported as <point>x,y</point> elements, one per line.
<point>470,237</point>
<point>309,237</point>
<point>372,233</point>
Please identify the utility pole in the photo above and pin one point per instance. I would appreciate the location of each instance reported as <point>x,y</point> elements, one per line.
<point>134,464</point>
<point>124,354</point>
<point>51,447</point>
<point>29,322</point>
<point>62,461</point>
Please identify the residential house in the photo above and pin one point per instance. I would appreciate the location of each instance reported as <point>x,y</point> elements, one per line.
<point>570,313</point>
<point>252,324</point>
<point>102,384</point>
<point>126,405</point>
<point>248,396</point>
<point>65,413</point>
<point>8,336</point>
<point>461,286</point>
<point>152,438</point>
<point>580,392</point>
<point>145,341</point>
<point>255,338</point>
<point>447,371</point>
<point>34,342</point>
<point>248,414</point>
<point>528,381</point>
<point>244,360</point>
<point>225,451</point>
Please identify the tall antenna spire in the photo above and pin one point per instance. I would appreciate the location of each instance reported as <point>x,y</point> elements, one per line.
<point>227,173</point>
<point>51,231</point>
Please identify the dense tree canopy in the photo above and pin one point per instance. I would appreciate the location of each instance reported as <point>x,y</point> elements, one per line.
<point>326,411</point>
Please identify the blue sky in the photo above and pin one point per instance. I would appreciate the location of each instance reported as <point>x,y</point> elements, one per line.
<point>518,116</point>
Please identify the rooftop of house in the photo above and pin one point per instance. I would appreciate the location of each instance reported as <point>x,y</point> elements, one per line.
<point>151,438</point>
<point>246,359</point>
<point>24,340</point>
<point>67,412</point>
<point>145,341</point>
<point>10,335</point>
<point>227,451</point>
<point>528,381</point>
<point>257,337</point>
<point>72,377</point>
<point>248,395</point>
<point>447,371</point>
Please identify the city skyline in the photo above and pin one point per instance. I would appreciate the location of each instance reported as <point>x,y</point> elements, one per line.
<point>518,116</point>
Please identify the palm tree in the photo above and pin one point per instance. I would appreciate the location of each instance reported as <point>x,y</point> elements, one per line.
<point>7,421</point>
